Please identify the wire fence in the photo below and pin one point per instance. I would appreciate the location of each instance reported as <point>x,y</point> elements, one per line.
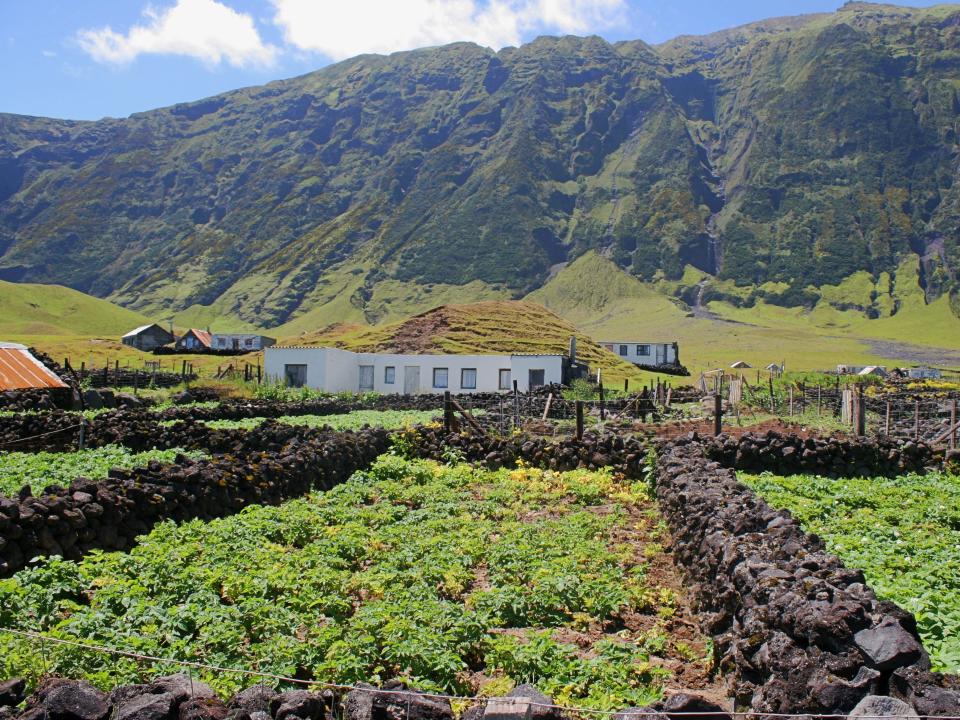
<point>42,640</point>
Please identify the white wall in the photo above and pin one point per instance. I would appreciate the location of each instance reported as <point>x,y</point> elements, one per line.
<point>275,360</point>
<point>660,353</point>
<point>521,365</point>
<point>336,370</point>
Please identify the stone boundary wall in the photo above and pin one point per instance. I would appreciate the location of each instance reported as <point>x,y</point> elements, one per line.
<point>110,514</point>
<point>796,631</point>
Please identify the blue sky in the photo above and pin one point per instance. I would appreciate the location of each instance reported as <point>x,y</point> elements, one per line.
<point>86,59</point>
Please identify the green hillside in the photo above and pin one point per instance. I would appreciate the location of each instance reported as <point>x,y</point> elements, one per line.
<point>29,310</point>
<point>777,159</point>
<point>607,303</point>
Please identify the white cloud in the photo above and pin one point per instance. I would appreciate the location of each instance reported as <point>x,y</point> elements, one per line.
<point>204,29</point>
<point>343,28</point>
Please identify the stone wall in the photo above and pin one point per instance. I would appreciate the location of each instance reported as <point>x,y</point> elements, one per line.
<point>268,469</point>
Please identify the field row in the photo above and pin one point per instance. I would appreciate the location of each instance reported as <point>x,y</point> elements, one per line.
<point>451,578</point>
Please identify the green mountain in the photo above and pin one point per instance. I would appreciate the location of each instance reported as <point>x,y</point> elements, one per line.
<point>776,159</point>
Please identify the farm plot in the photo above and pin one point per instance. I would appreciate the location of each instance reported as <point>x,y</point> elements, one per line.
<point>452,578</point>
<point>39,470</point>
<point>355,420</point>
<point>904,533</point>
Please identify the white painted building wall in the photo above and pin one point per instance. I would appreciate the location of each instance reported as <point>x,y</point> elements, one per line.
<point>643,353</point>
<point>240,341</point>
<point>335,370</point>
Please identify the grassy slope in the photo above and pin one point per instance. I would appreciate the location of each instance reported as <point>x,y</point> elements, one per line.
<point>69,323</point>
<point>483,327</point>
<point>597,296</point>
<point>591,297</point>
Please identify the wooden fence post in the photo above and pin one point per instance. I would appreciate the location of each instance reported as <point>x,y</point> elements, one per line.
<point>861,412</point>
<point>916,419</point>
<point>953,424</point>
<point>516,405</point>
<point>819,401</point>
<point>447,412</point>
<point>771,394</point>
<point>579,419</point>
<point>603,407</point>
<point>717,414</point>
<point>791,400</point>
<point>886,424</point>
<point>626,385</point>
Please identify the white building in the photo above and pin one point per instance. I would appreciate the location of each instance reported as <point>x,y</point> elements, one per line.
<point>240,341</point>
<point>335,370</point>
<point>640,353</point>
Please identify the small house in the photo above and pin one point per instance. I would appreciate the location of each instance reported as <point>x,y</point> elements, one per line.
<point>644,353</point>
<point>873,370</point>
<point>148,337</point>
<point>335,370</point>
<point>241,342</point>
<point>20,370</point>
<point>740,365</point>
<point>775,369</point>
<point>923,373</point>
<point>194,340</point>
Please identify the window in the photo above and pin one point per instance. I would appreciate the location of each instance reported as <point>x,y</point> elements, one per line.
<point>468,378</point>
<point>643,349</point>
<point>248,342</point>
<point>295,375</point>
<point>536,378</point>
<point>504,380</point>
<point>440,377</point>
<point>389,375</point>
<point>623,350</point>
<point>366,377</point>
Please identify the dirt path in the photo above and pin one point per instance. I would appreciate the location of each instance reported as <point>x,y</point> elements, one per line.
<point>915,354</point>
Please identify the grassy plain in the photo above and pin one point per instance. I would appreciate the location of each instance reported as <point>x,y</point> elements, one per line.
<point>591,298</point>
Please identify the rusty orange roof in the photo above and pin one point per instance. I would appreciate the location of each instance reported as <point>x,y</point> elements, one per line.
<point>205,338</point>
<point>19,370</point>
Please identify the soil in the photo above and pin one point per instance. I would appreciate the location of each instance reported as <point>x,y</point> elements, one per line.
<point>417,334</point>
<point>687,652</point>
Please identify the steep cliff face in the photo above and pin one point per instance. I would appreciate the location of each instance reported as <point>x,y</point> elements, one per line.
<point>791,153</point>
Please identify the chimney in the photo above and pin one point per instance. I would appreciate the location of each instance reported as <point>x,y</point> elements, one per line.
<point>573,349</point>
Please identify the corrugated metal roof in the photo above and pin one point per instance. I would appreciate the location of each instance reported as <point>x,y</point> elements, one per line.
<point>137,331</point>
<point>19,370</point>
<point>203,336</point>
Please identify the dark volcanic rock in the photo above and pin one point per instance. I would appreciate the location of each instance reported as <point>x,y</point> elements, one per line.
<point>71,700</point>
<point>888,645</point>
<point>11,691</point>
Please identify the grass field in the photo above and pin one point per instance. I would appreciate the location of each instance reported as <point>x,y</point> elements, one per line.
<point>42,469</point>
<point>597,296</point>
<point>390,419</point>
<point>591,298</point>
<point>451,578</point>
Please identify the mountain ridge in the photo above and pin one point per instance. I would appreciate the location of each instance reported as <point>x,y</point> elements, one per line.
<point>781,156</point>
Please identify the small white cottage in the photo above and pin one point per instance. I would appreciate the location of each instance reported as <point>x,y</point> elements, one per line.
<point>335,370</point>
<point>644,353</point>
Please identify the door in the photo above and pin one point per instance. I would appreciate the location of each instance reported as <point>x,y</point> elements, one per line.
<point>536,379</point>
<point>411,379</point>
<point>295,375</point>
<point>366,378</point>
